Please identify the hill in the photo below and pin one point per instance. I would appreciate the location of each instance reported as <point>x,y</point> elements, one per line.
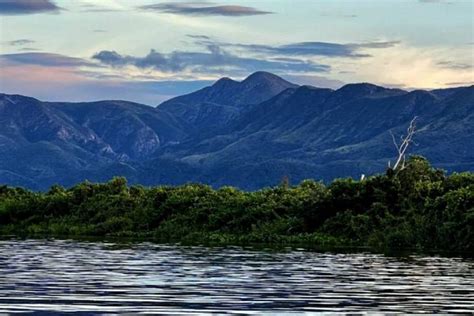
<point>249,134</point>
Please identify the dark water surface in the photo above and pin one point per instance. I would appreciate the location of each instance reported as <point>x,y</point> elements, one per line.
<point>63,276</point>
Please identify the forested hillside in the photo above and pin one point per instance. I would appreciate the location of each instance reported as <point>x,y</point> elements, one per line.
<point>249,134</point>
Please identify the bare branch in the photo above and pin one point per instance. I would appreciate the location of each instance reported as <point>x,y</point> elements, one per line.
<point>405,142</point>
<point>394,141</point>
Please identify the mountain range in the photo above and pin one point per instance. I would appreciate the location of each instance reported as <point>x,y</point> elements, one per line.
<point>248,134</point>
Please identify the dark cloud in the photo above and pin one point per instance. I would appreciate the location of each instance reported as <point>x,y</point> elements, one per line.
<point>20,42</point>
<point>15,7</point>
<point>201,37</point>
<point>316,49</point>
<point>242,58</point>
<point>306,48</point>
<point>45,59</point>
<point>214,60</point>
<point>454,65</point>
<point>203,8</point>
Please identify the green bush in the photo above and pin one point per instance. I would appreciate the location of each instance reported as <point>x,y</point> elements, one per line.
<point>416,207</point>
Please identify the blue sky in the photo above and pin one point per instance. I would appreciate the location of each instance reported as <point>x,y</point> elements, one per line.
<point>148,51</point>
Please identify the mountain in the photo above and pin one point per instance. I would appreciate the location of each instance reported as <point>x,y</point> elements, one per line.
<point>47,142</point>
<point>249,134</point>
<point>256,88</point>
<point>218,105</point>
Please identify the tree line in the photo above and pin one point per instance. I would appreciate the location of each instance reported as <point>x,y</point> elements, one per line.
<point>417,207</point>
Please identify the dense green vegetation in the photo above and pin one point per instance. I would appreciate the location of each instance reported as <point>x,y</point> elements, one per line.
<point>418,207</point>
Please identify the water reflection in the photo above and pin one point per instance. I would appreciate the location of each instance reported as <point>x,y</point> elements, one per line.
<point>67,276</point>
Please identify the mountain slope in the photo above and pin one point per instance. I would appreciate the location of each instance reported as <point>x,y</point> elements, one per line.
<point>248,134</point>
<point>322,133</point>
<point>60,142</point>
<point>212,108</point>
<point>256,88</point>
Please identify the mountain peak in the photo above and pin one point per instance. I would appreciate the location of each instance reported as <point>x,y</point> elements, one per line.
<point>224,81</point>
<point>256,88</point>
<point>364,89</point>
<point>263,76</point>
<point>362,86</point>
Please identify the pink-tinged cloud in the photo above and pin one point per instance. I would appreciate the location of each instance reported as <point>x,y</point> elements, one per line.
<point>44,59</point>
<point>39,75</point>
<point>69,83</point>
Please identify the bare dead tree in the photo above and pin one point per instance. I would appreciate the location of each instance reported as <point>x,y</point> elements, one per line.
<point>405,141</point>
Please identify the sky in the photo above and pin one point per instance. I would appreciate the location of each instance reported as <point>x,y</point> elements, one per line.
<point>148,51</point>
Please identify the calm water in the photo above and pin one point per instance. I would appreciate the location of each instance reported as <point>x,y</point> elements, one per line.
<point>64,276</point>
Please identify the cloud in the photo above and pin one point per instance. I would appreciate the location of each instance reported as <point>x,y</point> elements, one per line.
<point>325,49</point>
<point>20,42</point>
<point>408,66</point>
<point>44,59</point>
<point>460,83</point>
<point>237,59</point>
<point>91,8</point>
<point>16,7</point>
<point>203,37</point>
<point>315,49</point>
<point>454,65</point>
<point>214,60</point>
<point>64,84</point>
<point>203,9</point>
<point>28,49</point>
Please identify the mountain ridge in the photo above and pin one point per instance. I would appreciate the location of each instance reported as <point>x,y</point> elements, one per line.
<point>217,136</point>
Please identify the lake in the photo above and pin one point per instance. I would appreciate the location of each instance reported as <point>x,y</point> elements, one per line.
<point>101,277</point>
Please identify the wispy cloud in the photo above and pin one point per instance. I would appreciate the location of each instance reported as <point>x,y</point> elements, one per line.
<point>20,42</point>
<point>45,59</point>
<point>92,8</point>
<point>214,59</point>
<point>460,83</point>
<point>203,9</point>
<point>454,65</point>
<point>16,7</point>
<point>326,49</point>
<point>65,84</point>
<point>205,37</point>
<point>28,49</point>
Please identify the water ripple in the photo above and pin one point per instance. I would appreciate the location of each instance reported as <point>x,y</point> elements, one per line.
<point>71,276</point>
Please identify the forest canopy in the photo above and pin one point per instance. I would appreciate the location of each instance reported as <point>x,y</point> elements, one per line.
<point>418,207</point>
